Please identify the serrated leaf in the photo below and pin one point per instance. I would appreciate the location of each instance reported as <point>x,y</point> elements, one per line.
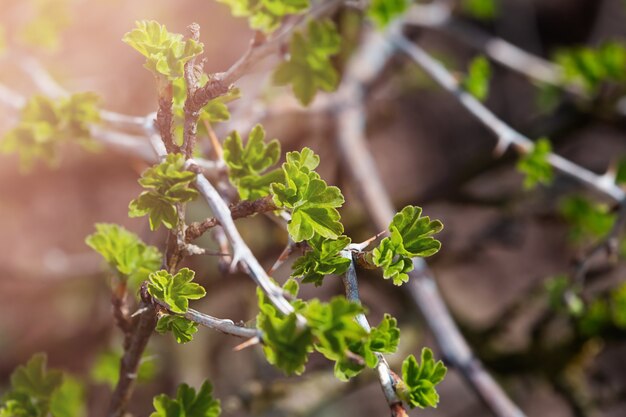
<point>248,165</point>
<point>323,259</point>
<point>182,329</point>
<point>535,165</point>
<point>478,77</point>
<point>125,252</point>
<point>266,15</point>
<point>411,236</point>
<point>188,403</point>
<point>175,290</point>
<point>309,67</point>
<point>382,12</point>
<point>419,380</point>
<point>166,184</point>
<point>166,53</point>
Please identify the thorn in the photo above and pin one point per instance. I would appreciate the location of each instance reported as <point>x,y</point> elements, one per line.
<point>139,312</point>
<point>250,342</point>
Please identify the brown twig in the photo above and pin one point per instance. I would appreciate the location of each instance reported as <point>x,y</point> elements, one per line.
<point>192,113</point>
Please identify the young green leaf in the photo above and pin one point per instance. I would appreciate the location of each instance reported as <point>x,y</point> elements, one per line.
<point>182,329</point>
<point>248,165</point>
<point>69,399</point>
<point>125,252</point>
<point>411,236</point>
<point>419,380</point>
<point>187,403</point>
<point>477,80</point>
<point>536,166</point>
<point>382,12</point>
<point>323,259</point>
<point>35,380</point>
<point>166,184</point>
<point>266,15</point>
<point>309,67</point>
<point>481,9</point>
<point>175,290</point>
<point>588,220</point>
<point>312,202</point>
<point>166,53</point>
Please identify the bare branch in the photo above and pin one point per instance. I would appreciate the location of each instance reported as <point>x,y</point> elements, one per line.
<point>222,325</point>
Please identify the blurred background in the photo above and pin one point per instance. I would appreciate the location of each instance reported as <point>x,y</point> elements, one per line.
<point>502,244</point>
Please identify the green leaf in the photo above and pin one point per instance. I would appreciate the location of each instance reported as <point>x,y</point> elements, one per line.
<point>382,12</point>
<point>535,165</point>
<point>309,67</point>
<point>323,259</point>
<point>46,124</point>
<point>411,236</point>
<point>419,380</point>
<point>285,344</point>
<point>588,220</point>
<point>176,290</point>
<point>182,329</point>
<point>592,67</point>
<point>166,184</point>
<point>166,53</point>
<point>69,399</point>
<point>481,9</point>
<point>477,80</point>
<point>187,403</point>
<point>312,202</point>
<point>248,165</point>
<point>125,252</point>
<point>266,15</point>
<point>35,380</point>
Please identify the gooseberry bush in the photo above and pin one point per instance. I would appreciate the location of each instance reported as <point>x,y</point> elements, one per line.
<point>246,174</point>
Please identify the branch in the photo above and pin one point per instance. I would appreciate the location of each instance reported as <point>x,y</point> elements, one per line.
<point>364,67</point>
<point>506,135</point>
<point>385,374</point>
<point>223,325</point>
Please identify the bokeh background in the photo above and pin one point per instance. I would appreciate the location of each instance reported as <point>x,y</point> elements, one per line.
<point>500,243</point>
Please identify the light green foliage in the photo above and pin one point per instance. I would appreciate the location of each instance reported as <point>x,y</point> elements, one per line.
<point>175,290</point>
<point>313,204</point>
<point>166,53</point>
<point>309,67</point>
<point>382,12</point>
<point>411,236</point>
<point>37,391</point>
<point>591,67</point>
<point>188,403</point>
<point>481,9</point>
<point>266,15</point>
<point>182,329</point>
<point>45,124</point>
<point>125,252</point>
<point>589,221</point>
<point>106,368</point>
<point>248,165</point>
<point>535,165</point>
<point>166,185</point>
<point>477,80</point>
<point>382,339</point>
<point>618,306</point>
<point>44,29</point>
<point>286,346</point>
<point>419,380</point>
<point>323,259</point>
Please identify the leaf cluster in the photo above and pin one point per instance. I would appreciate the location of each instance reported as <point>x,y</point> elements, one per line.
<point>323,259</point>
<point>46,123</point>
<point>248,165</point>
<point>535,164</point>
<point>313,204</point>
<point>309,67</point>
<point>588,221</point>
<point>182,329</point>
<point>166,184</point>
<point>477,80</point>
<point>125,252</point>
<point>266,15</point>
<point>37,391</point>
<point>411,235</point>
<point>175,290</point>
<point>188,403</point>
<point>166,53</point>
<point>419,380</point>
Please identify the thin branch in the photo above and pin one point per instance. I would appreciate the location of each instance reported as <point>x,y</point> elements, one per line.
<point>191,114</point>
<point>385,375</point>
<point>223,325</point>
<point>506,135</point>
